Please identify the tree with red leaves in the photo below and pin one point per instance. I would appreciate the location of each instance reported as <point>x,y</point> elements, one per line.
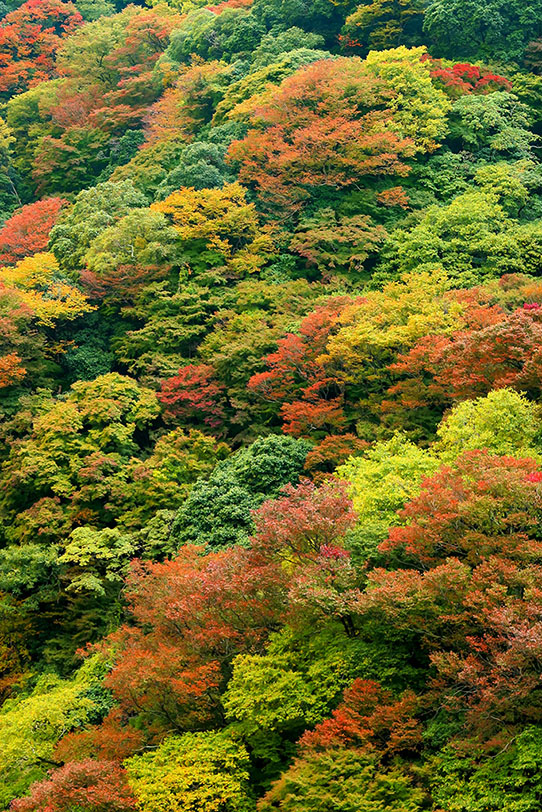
<point>485,506</point>
<point>504,352</point>
<point>190,616</point>
<point>461,591</point>
<point>194,395</point>
<point>29,39</point>
<point>88,786</point>
<point>303,520</point>
<point>311,399</point>
<point>330,452</point>
<point>221,7</point>
<point>469,594</point>
<point>27,231</point>
<point>11,369</point>
<point>369,716</point>
<point>21,345</point>
<point>465,79</point>
<point>107,84</point>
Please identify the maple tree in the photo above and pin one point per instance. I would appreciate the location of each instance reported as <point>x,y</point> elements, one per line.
<point>295,149</point>
<point>296,374</point>
<point>171,662</point>
<point>218,9</point>
<point>11,369</point>
<point>88,785</point>
<point>186,106</point>
<point>27,231</point>
<point>311,519</point>
<point>472,362</point>
<point>330,244</point>
<point>503,421</point>
<point>344,758</point>
<point>42,289</point>
<point>331,364</point>
<point>193,393</point>
<point>22,347</point>
<point>30,37</point>
<point>480,532</point>
<point>107,84</point>
<point>464,78</point>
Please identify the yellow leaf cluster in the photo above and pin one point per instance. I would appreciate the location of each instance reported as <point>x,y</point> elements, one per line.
<point>40,286</point>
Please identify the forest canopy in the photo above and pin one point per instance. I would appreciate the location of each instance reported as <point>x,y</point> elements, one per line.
<point>270,406</point>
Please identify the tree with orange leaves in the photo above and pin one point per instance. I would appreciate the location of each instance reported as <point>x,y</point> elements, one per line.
<point>191,615</point>
<point>336,123</point>
<point>324,126</point>
<point>30,36</point>
<point>27,231</point>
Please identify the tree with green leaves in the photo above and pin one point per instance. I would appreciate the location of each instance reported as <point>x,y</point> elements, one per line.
<point>217,511</point>
<point>495,29</point>
<point>32,723</point>
<point>195,771</point>
<point>92,212</point>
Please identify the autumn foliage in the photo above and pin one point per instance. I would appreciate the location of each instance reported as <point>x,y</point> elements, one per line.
<point>97,785</point>
<point>30,36</point>
<point>291,151</point>
<point>270,406</point>
<point>27,231</point>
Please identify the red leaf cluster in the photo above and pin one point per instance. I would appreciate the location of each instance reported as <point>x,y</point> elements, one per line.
<point>463,78</point>
<point>371,718</point>
<point>29,39</point>
<point>194,394</point>
<point>27,231</point>
<point>100,786</point>
<point>505,351</point>
<point>312,399</point>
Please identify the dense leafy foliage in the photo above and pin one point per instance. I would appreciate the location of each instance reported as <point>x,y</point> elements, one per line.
<point>270,406</point>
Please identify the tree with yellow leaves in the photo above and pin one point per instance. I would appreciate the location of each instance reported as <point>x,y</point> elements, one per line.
<point>219,231</point>
<point>41,287</point>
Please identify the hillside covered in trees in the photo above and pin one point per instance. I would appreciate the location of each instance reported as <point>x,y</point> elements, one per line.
<point>271,406</point>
